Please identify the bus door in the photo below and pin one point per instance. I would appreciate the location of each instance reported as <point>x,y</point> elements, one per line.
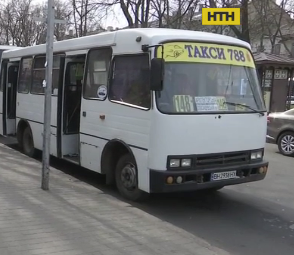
<point>71,108</point>
<point>9,98</point>
<point>2,97</point>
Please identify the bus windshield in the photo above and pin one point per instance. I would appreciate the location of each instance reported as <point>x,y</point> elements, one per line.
<point>208,85</point>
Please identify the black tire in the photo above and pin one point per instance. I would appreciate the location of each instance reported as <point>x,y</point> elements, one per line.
<point>210,190</point>
<point>19,136</point>
<point>215,189</point>
<point>28,146</point>
<point>285,139</point>
<point>126,179</point>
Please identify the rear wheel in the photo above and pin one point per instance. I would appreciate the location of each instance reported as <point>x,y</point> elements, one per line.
<point>286,143</point>
<point>127,180</point>
<point>28,143</point>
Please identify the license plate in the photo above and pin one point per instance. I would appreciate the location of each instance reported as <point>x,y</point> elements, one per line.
<point>224,175</point>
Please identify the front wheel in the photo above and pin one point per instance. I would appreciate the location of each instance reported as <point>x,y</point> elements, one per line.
<point>127,180</point>
<point>286,144</point>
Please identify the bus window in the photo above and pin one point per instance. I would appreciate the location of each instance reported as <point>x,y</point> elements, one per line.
<point>130,83</point>
<point>25,75</point>
<point>97,71</point>
<point>3,75</point>
<point>1,51</point>
<point>55,72</point>
<point>38,75</point>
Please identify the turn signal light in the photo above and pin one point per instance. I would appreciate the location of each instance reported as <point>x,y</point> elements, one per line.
<point>169,180</point>
<point>262,170</point>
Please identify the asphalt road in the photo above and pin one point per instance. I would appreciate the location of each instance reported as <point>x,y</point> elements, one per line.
<point>255,218</point>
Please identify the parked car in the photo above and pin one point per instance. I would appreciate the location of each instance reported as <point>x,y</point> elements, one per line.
<point>280,130</point>
<point>290,100</point>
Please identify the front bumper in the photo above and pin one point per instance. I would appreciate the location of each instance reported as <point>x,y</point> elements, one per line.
<point>201,178</point>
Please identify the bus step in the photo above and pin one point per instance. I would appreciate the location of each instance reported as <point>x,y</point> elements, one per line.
<point>72,158</point>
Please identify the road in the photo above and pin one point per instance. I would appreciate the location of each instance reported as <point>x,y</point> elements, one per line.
<point>255,218</point>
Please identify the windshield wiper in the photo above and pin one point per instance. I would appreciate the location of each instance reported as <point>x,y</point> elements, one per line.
<point>246,106</point>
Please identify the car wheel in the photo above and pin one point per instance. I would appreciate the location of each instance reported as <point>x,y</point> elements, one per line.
<point>212,190</point>
<point>127,180</point>
<point>286,143</point>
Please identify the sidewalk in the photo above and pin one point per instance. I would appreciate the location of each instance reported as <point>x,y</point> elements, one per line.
<point>74,218</point>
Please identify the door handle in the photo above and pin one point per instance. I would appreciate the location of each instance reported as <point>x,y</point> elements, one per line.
<point>84,114</point>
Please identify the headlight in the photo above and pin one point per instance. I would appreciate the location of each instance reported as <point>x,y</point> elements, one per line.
<point>256,155</point>
<point>185,162</point>
<point>174,162</point>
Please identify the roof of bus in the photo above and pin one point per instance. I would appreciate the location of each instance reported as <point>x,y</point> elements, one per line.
<point>9,47</point>
<point>126,38</point>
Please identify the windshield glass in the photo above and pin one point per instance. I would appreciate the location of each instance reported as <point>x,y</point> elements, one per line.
<point>206,78</point>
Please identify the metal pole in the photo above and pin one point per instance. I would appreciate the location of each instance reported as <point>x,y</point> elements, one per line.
<point>48,91</point>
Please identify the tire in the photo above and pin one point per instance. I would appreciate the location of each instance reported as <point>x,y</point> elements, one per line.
<point>215,189</point>
<point>286,144</point>
<point>19,136</point>
<point>126,179</point>
<point>211,190</point>
<point>28,143</point>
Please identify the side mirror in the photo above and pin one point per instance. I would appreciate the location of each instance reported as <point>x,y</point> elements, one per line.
<point>157,74</point>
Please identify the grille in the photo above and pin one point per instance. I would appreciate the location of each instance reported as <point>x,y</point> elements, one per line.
<point>222,159</point>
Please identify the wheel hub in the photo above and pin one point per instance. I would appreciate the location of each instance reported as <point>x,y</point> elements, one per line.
<point>128,176</point>
<point>287,144</point>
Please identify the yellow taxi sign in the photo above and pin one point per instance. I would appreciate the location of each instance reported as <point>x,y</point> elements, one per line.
<point>221,16</point>
<point>206,53</point>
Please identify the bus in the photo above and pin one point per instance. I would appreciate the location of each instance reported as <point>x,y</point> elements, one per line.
<point>154,110</point>
<point>6,47</point>
<point>9,92</point>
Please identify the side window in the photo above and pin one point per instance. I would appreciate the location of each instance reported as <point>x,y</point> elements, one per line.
<point>3,75</point>
<point>38,75</point>
<point>75,73</point>
<point>97,71</point>
<point>130,80</point>
<point>55,72</point>
<point>25,75</point>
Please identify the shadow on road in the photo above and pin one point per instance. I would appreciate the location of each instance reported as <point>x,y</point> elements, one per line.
<point>236,222</point>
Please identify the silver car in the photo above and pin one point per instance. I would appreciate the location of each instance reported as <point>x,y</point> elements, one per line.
<point>280,130</point>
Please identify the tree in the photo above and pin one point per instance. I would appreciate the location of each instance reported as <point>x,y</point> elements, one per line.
<point>86,16</point>
<point>241,32</point>
<point>271,19</point>
<point>18,23</point>
<point>136,12</point>
<point>62,12</point>
<point>176,13</point>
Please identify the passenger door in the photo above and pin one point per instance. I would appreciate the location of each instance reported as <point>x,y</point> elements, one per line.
<point>2,97</point>
<point>71,108</point>
<point>9,97</point>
